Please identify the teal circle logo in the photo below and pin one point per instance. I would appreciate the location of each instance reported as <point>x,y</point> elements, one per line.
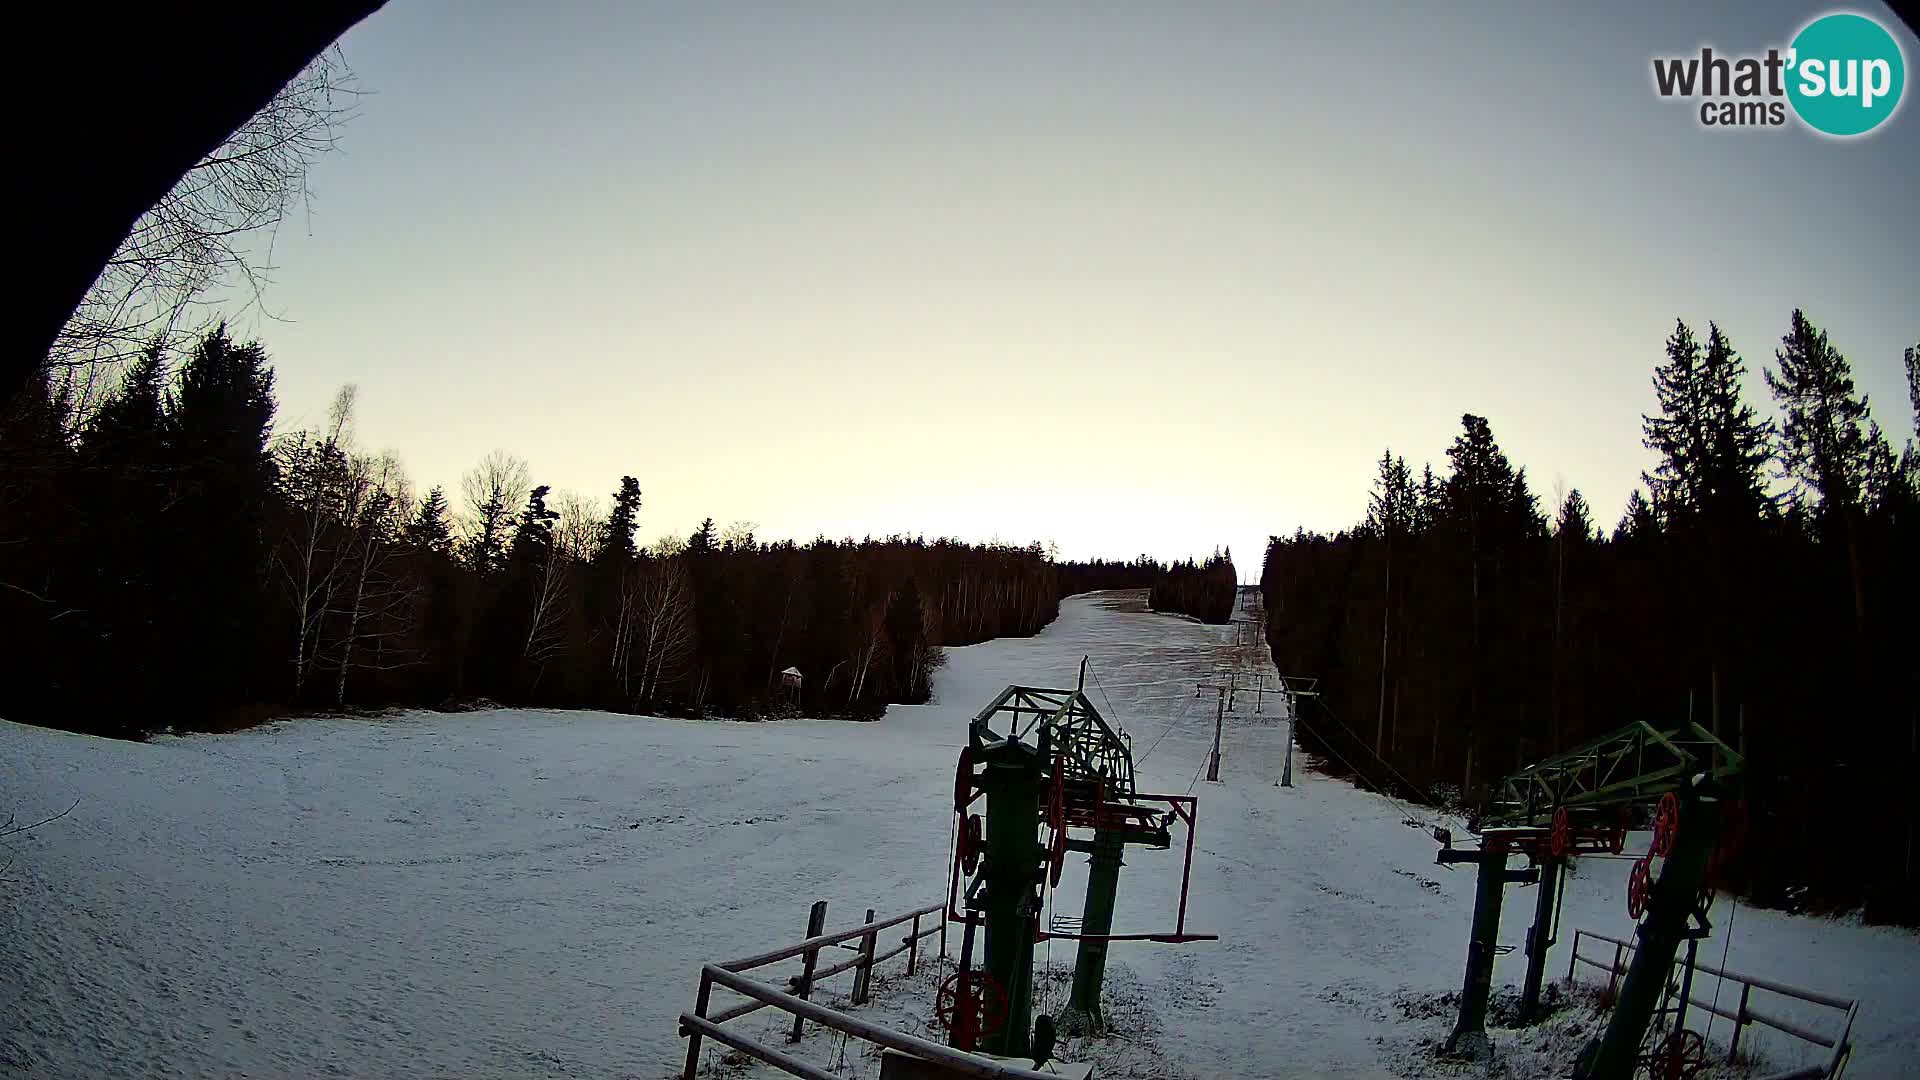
<point>1845,74</point>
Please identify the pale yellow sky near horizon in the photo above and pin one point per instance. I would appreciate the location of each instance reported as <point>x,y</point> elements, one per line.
<point>1126,278</point>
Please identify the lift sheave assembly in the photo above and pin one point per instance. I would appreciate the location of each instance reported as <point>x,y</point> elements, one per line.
<point>1056,777</point>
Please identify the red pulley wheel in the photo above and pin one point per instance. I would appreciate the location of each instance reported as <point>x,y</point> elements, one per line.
<point>1680,1056</point>
<point>963,781</point>
<point>1639,883</point>
<point>1666,824</point>
<point>971,1004</point>
<point>1560,841</point>
<point>970,844</point>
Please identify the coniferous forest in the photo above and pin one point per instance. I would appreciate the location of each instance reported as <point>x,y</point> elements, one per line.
<point>169,561</point>
<point>1143,572</point>
<point>1205,590</point>
<point>1762,581</point>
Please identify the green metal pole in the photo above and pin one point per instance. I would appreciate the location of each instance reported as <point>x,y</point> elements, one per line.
<point>1090,966</point>
<point>1012,868</point>
<point>1665,926</point>
<point>1469,1037</point>
<point>1539,939</point>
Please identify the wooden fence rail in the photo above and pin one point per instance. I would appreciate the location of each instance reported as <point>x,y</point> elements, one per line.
<point>701,1024</point>
<point>1742,1013</point>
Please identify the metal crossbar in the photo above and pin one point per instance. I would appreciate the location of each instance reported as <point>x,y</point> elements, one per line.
<point>1095,751</point>
<point>1635,763</point>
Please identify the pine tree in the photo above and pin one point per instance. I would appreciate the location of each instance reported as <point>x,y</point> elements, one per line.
<point>1575,519</point>
<point>126,429</point>
<point>1489,512</point>
<point>1709,488</point>
<point>1826,446</point>
<point>1638,521</point>
<point>1824,443</point>
<point>1390,511</point>
<point>212,583</point>
<point>1677,434</point>
<point>430,530</point>
<point>1738,443</point>
<point>703,539</point>
<point>616,538</point>
<point>533,535</point>
<point>1573,535</point>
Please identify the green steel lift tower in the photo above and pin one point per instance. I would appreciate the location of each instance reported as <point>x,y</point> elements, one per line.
<point>1056,764</point>
<point>1582,801</point>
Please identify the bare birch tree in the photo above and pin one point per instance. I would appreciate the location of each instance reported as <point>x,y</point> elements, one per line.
<point>214,230</point>
<point>871,643</point>
<point>379,594</point>
<point>664,625</point>
<point>314,477</point>
<point>493,490</point>
<point>571,544</point>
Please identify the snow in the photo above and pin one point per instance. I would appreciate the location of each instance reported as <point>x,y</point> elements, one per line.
<point>531,893</point>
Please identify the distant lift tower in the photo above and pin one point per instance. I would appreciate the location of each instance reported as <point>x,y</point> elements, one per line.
<point>1228,685</point>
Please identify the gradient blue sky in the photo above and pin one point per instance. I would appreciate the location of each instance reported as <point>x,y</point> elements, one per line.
<point>1127,277</point>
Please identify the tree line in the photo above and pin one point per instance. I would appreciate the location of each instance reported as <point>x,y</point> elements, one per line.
<point>1141,572</point>
<point>1762,581</point>
<point>168,561</point>
<point>1205,590</point>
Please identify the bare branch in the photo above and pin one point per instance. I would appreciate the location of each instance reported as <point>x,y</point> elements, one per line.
<point>10,829</point>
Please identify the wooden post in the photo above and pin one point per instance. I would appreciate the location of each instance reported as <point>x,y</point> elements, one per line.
<point>863,971</point>
<point>943,933</point>
<point>1613,975</point>
<point>816,925</point>
<point>1739,1021</point>
<point>693,1037</point>
<point>913,944</point>
<point>1573,955</point>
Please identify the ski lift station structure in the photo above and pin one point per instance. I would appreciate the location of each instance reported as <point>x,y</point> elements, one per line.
<point>1053,766</point>
<point>1582,802</point>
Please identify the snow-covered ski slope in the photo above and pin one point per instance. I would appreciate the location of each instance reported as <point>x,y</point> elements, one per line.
<point>529,893</point>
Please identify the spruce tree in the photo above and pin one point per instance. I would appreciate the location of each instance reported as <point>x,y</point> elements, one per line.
<point>616,536</point>
<point>533,535</point>
<point>1826,444</point>
<point>212,589</point>
<point>1824,441</point>
<point>430,529</point>
<point>126,429</point>
<point>1638,521</point>
<point>703,539</point>
<point>1677,434</point>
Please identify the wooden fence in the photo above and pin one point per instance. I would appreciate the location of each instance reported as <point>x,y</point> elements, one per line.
<point>1743,1013</point>
<point>793,997</point>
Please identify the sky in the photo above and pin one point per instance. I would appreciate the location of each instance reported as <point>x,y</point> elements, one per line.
<point>1123,277</point>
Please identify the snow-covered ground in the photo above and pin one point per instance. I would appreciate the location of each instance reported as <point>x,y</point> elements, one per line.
<point>529,893</point>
